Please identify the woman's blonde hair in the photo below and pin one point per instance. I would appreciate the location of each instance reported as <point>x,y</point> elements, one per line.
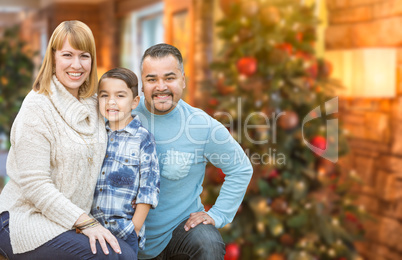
<point>81,38</point>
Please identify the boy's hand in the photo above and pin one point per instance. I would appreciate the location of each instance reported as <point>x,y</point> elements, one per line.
<point>137,230</point>
<point>197,218</point>
<point>134,203</point>
<point>140,214</point>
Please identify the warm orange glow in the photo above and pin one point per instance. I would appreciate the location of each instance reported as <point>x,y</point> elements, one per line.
<point>367,73</point>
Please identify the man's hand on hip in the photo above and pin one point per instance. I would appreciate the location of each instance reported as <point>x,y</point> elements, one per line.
<point>198,218</point>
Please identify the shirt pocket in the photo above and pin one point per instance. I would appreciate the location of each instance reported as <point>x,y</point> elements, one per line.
<point>177,165</point>
<point>125,172</point>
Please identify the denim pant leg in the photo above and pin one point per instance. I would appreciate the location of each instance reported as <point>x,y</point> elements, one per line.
<point>67,246</point>
<point>132,240</point>
<point>199,243</point>
<point>5,245</point>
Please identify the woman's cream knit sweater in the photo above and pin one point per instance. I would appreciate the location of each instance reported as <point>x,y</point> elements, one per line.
<point>51,180</point>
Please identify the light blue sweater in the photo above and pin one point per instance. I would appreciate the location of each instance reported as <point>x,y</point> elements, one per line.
<point>186,138</point>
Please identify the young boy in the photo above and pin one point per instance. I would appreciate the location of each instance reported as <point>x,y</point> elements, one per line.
<point>130,170</point>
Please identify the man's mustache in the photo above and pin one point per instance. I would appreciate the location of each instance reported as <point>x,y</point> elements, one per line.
<point>162,93</point>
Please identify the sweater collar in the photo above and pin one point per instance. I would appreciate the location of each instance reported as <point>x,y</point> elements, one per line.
<point>78,114</point>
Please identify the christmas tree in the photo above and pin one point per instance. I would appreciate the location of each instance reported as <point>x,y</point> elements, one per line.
<point>16,69</point>
<point>278,101</point>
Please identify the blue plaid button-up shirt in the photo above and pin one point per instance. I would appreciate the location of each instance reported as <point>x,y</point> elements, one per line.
<point>130,171</point>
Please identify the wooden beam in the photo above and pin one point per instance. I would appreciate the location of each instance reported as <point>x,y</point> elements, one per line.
<point>23,4</point>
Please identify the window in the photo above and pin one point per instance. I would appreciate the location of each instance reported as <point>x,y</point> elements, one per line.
<point>141,29</point>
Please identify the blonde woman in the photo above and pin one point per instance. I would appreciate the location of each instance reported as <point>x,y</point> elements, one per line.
<point>58,142</point>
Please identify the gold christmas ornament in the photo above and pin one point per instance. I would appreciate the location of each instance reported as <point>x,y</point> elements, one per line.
<point>227,5</point>
<point>270,15</point>
<point>250,8</point>
<point>277,230</point>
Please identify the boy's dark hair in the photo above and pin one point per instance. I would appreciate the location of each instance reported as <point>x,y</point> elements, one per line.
<point>162,50</point>
<point>125,75</point>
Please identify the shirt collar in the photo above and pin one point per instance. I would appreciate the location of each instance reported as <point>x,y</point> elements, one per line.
<point>131,128</point>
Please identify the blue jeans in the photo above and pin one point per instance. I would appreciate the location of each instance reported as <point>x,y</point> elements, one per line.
<point>204,242</point>
<point>67,246</point>
<point>132,240</point>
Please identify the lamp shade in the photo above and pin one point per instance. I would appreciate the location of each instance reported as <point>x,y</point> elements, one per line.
<point>367,72</point>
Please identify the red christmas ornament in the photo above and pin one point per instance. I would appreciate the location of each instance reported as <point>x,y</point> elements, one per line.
<point>215,175</point>
<point>319,142</point>
<point>287,240</point>
<point>219,176</point>
<point>213,102</point>
<point>351,217</point>
<point>288,120</point>
<point>287,47</point>
<point>226,5</point>
<point>303,55</point>
<point>279,205</point>
<point>273,174</point>
<point>232,252</point>
<point>352,222</point>
<point>247,66</point>
<point>207,207</point>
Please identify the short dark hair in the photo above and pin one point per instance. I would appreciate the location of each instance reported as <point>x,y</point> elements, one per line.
<point>125,75</point>
<point>162,50</point>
